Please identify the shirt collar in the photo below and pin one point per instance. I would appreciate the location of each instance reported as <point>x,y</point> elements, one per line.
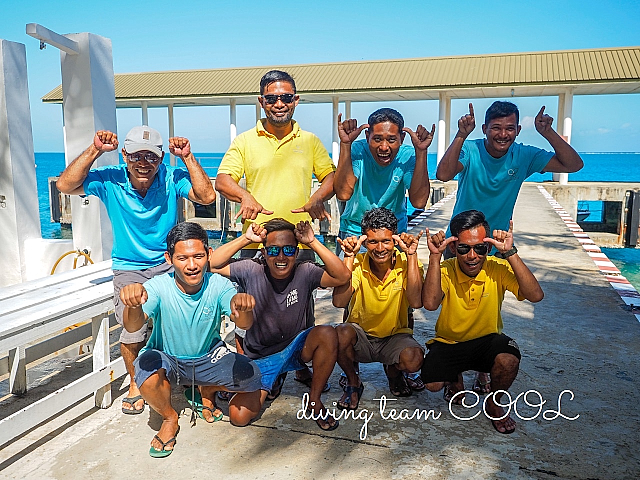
<point>262,131</point>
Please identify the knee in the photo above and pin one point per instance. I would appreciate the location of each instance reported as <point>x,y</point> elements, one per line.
<point>411,359</point>
<point>507,362</point>
<point>244,407</point>
<point>325,335</point>
<point>346,335</point>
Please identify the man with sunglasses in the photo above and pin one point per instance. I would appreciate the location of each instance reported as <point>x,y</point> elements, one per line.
<point>471,288</point>
<point>283,336</point>
<point>141,197</point>
<point>278,159</point>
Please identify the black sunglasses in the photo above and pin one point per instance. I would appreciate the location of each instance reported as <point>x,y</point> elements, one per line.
<point>285,97</point>
<point>149,157</point>
<point>274,251</point>
<point>480,248</point>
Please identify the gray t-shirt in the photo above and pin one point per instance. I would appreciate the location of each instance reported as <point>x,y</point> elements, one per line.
<point>283,307</point>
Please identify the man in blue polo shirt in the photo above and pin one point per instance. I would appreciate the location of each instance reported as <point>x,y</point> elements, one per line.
<point>379,170</point>
<point>142,198</point>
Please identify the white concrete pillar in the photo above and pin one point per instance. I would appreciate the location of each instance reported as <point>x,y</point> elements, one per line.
<point>444,120</point>
<point>564,124</point>
<point>172,158</point>
<point>89,104</point>
<point>347,109</point>
<point>19,216</point>
<point>145,113</point>
<point>258,111</point>
<point>233,128</point>
<point>335,140</point>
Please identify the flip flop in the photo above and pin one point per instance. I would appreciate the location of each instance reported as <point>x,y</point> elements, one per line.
<point>276,388</point>
<point>198,407</point>
<point>481,387</point>
<point>329,427</point>
<point>506,432</point>
<point>307,382</point>
<point>155,453</point>
<point>345,401</point>
<point>398,386</point>
<point>449,393</point>
<point>415,383</point>
<point>131,401</point>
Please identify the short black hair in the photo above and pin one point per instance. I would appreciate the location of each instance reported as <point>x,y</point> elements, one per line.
<point>386,115</point>
<point>500,109</point>
<point>186,231</point>
<point>278,225</point>
<point>468,220</point>
<point>273,76</point>
<point>378,218</point>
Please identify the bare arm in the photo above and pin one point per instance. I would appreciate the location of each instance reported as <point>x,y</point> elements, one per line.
<point>409,245</point>
<point>242,305</point>
<point>450,165</point>
<point>527,282</point>
<point>350,247</point>
<point>315,206</point>
<point>202,190</point>
<point>566,159</point>
<point>249,208</point>
<point>71,180</point>
<point>432,293</point>
<point>133,296</point>
<point>419,189</point>
<point>336,273</point>
<point>345,181</point>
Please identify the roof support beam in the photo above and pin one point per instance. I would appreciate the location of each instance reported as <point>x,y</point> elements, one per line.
<point>335,141</point>
<point>444,121</point>
<point>52,38</point>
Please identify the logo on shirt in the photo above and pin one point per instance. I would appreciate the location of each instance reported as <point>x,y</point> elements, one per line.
<point>395,179</point>
<point>297,149</point>
<point>292,297</point>
<point>512,172</point>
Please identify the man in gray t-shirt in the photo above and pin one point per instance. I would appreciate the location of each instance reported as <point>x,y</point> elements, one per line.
<point>283,337</point>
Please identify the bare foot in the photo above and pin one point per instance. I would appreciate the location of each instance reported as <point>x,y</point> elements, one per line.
<point>137,405</point>
<point>506,425</point>
<point>168,430</point>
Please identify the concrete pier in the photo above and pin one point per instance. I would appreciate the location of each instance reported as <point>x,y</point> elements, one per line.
<point>581,338</point>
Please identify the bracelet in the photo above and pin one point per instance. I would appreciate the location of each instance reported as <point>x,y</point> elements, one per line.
<point>504,255</point>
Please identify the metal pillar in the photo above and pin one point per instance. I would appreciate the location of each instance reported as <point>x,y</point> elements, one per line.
<point>347,109</point>
<point>19,217</point>
<point>335,140</point>
<point>564,124</point>
<point>172,158</point>
<point>145,113</point>
<point>233,128</point>
<point>444,121</point>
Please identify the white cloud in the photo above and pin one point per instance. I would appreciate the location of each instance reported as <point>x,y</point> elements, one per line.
<point>527,122</point>
<point>604,131</point>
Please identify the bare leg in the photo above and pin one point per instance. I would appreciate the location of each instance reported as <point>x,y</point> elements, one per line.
<point>129,352</point>
<point>244,407</point>
<point>347,338</point>
<point>504,372</point>
<point>156,390</point>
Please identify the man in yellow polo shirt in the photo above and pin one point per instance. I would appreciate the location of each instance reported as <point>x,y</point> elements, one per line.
<point>471,288</point>
<point>278,159</point>
<point>384,284</point>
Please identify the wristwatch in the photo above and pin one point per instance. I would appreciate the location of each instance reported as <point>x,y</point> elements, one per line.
<point>508,253</point>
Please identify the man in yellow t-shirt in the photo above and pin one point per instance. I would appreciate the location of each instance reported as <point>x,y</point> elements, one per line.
<point>384,284</point>
<point>278,159</point>
<point>470,288</point>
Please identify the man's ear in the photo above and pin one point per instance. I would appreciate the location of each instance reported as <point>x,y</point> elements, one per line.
<point>167,257</point>
<point>452,248</point>
<point>484,129</point>
<point>518,131</point>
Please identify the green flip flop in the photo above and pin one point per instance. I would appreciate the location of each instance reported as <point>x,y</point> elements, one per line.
<point>197,406</point>
<point>155,453</point>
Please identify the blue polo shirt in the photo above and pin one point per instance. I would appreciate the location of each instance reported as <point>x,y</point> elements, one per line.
<point>490,184</point>
<point>378,186</point>
<point>140,224</point>
<point>186,326</point>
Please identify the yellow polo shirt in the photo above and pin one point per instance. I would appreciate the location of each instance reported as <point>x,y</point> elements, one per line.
<point>278,172</point>
<point>471,305</point>
<point>380,307</point>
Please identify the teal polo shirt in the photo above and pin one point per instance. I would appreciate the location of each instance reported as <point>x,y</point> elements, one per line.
<point>378,186</point>
<point>491,185</point>
<point>140,224</point>
<point>186,326</point>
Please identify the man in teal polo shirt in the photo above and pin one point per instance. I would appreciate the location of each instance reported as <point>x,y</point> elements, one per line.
<point>379,170</point>
<point>142,199</point>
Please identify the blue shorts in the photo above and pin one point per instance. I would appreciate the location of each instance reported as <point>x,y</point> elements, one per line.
<point>286,360</point>
<point>220,367</point>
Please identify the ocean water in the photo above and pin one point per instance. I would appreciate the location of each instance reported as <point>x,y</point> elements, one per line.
<point>604,167</point>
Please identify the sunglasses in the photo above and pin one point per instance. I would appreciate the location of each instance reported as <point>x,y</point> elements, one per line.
<point>480,248</point>
<point>285,97</point>
<point>274,251</point>
<point>149,157</point>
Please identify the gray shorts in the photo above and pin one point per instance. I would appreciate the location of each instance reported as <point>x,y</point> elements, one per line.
<point>220,367</point>
<point>122,278</point>
<point>384,350</point>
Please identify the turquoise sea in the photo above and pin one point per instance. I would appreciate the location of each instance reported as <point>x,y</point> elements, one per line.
<point>605,167</point>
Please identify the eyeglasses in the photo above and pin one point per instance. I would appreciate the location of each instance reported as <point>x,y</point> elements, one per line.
<point>285,97</point>
<point>480,248</point>
<point>149,157</point>
<point>274,251</point>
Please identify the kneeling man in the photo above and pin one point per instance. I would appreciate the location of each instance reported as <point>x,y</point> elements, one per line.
<point>470,288</point>
<point>185,345</point>
<point>384,284</point>
<point>283,337</point>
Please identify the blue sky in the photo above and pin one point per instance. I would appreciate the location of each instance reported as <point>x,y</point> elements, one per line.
<point>161,35</point>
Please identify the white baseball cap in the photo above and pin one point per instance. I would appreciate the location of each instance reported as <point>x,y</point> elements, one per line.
<point>143,138</point>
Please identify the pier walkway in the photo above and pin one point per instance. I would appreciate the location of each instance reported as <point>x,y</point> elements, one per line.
<point>581,338</point>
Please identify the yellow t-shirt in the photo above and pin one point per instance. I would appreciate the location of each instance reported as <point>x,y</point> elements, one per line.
<point>471,305</point>
<point>278,172</point>
<point>380,308</point>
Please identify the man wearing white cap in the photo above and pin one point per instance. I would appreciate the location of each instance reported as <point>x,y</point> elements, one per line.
<point>142,199</point>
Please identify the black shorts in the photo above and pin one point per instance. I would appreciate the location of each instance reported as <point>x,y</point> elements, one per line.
<point>445,361</point>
